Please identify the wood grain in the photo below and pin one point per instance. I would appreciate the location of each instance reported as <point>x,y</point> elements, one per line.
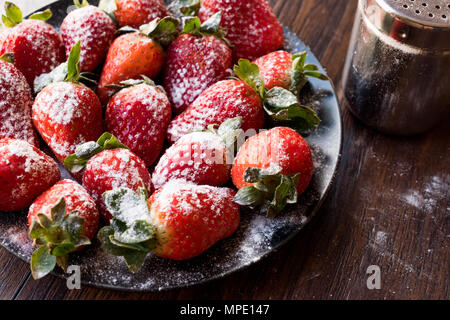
<point>389,207</point>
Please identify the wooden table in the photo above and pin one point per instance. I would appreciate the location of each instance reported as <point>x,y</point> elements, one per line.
<point>389,207</point>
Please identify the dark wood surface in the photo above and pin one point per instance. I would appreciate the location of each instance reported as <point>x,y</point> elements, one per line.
<point>389,207</point>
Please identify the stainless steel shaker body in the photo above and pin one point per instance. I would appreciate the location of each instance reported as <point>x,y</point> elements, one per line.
<point>397,73</point>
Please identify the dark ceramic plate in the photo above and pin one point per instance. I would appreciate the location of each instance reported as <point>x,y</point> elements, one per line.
<point>257,235</point>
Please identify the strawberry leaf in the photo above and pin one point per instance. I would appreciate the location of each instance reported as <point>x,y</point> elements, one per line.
<point>249,73</point>
<point>77,161</point>
<point>73,63</point>
<point>230,130</point>
<point>13,15</point>
<point>42,262</point>
<point>58,74</point>
<point>134,82</point>
<point>41,15</point>
<point>271,190</point>
<point>180,8</point>
<point>301,72</point>
<point>162,30</point>
<point>210,27</point>
<point>58,233</point>
<point>109,7</point>
<point>79,4</point>
<point>284,109</point>
<point>8,57</point>
<point>131,234</point>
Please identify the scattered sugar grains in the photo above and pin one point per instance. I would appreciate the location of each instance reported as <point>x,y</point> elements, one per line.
<point>15,105</point>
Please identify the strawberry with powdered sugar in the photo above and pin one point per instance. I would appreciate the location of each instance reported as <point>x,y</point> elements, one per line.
<point>36,45</point>
<point>251,26</point>
<point>66,113</point>
<point>136,53</point>
<point>134,13</point>
<point>197,59</point>
<point>138,115</point>
<point>179,222</point>
<point>108,165</point>
<point>203,158</point>
<point>15,105</point>
<point>62,220</point>
<point>272,169</point>
<point>25,172</point>
<point>224,100</point>
<point>94,28</point>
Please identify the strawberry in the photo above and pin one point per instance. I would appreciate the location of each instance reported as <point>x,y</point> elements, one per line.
<point>282,69</point>
<point>138,116</point>
<point>251,26</point>
<point>36,45</point>
<point>15,105</point>
<point>66,113</point>
<point>272,169</point>
<point>281,105</point>
<point>223,100</point>
<point>25,172</point>
<point>62,220</point>
<point>94,28</point>
<point>196,60</point>
<point>136,53</point>
<point>199,157</point>
<point>108,165</point>
<point>134,13</point>
<point>179,222</point>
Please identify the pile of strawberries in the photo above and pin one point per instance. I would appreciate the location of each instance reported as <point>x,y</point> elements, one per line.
<point>101,74</point>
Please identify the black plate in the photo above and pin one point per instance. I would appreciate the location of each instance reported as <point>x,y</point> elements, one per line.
<point>257,235</point>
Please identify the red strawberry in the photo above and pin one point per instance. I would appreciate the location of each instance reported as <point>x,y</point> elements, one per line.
<point>196,60</point>
<point>272,169</point>
<point>251,26</point>
<point>25,172</point>
<point>138,116</point>
<point>67,114</point>
<point>108,166</point>
<point>15,105</point>
<point>282,69</point>
<point>94,28</point>
<point>183,221</point>
<point>137,53</point>
<point>36,45</point>
<point>223,100</point>
<point>199,157</point>
<point>134,13</point>
<point>62,220</point>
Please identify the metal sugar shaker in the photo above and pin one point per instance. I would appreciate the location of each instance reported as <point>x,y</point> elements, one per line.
<point>397,74</point>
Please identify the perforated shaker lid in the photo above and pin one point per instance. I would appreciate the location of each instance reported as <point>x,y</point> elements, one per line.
<point>424,24</point>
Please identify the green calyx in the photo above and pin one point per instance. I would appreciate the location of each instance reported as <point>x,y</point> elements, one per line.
<point>301,71</point>
<point>211,27</point>
<point>281,105</point>
<point>228,131</point>
<point>13,15</point>
<point>271,190</point>
<point>131,234</point>
<point>69,71</point>
<point>56,236</point>
<point>109,7</point>
<point>80,4</point>
<point>180,8</point>
<point>132,82</point>
<point>77,161</point>
<point>163,30</point>
<point>8,57</point>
